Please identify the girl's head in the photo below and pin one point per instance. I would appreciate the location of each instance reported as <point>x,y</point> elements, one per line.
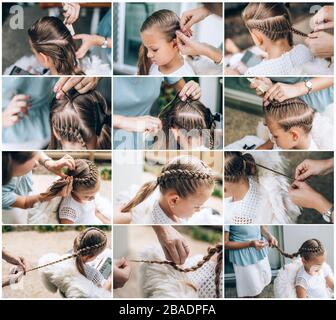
<point>269,20</point>
<point>88,245</point>
<point>158,35</point>
<point>312,254</point>
<point>237,168</point>
<point>83,182</point>
<point>16,164</point>
<point>188,120</point>
<point>80,121</point>
<point>185,184</point>
<point>289,122</point>
<point>53,46</point>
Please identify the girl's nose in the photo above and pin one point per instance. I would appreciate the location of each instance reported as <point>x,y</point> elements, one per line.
<point>149,54</point>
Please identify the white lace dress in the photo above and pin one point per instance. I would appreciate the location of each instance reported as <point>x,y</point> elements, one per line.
<point>77,212</point>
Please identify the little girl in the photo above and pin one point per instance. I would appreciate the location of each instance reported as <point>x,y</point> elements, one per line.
<point>187,125</point>
<point>80,121</point>
<point>272,31</point>
<point>256,196</point>
<point>199,277</point>
<point>185,184</point>
<point>78,278</point>
<point>248,252</point>
<point>159,53</point>
<point>310,277</point>
<point>79,191</point>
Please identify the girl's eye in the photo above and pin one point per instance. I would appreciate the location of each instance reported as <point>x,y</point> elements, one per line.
<point>155,50</point>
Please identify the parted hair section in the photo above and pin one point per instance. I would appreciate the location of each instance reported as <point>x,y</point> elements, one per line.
<point>84,176</point>
<point>309,249</point>
<point>238,165</point>
<point>184,174</point>
<point>80,118</point>
<point>168,23</point>
<point>90,242</point>
<point>189,115</point>
<point>50,36</point>
<point>272,19</point>
<point>291,113</point>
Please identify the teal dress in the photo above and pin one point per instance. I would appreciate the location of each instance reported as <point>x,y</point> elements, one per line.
<point>134,97</point>
<point>246,256</point>
<point>17,186</point>
<point>34,127</point>
<point>318,100</point>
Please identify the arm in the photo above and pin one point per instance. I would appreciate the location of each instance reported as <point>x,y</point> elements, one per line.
<point>301,293</point>
<point>102,218</point>
<point>137,124</point>
<point>233,245</point>
<point>330,282</point>
<point>66,221</point>
<point>270,238</point>
<point>26,202</point>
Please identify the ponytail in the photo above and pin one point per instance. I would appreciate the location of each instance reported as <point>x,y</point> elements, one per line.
<point>238,165</point>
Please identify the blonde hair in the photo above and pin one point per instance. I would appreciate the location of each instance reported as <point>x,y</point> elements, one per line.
<point>188,115</point>
<point>78,118</point>
<point>50,36</point>
<point>168,23</point>
<point>272,19</point>
<point>90,242</point>
<point>291,113</point>
<point>84,176</point>
<point>238,165</point>
<point>183,174</point>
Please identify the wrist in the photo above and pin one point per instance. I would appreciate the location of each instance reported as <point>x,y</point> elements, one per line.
<point>322,205</point>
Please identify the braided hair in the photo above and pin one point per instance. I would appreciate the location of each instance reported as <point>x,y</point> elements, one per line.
<point>84,176</point>
<point>190,116</point>
<point>183,174</point>
<point>291,113</point>
<point>50,36</point>
<point>272,19</point>
<point>218,249</point>
<point>80,118</point>
<point>238,165</point>
<point>309,249</point>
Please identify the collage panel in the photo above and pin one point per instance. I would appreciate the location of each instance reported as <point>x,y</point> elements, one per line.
<point>56,187</point>
<point>278,39</point>
<point>283,262</point>
<point>167,187</point>
<point>168,38</point>
<point>287,113</point>
<point>166,262</point>
<point>53,38</point>
<point>72,113</point>
<point>63,262</point>
<point>168,113</point>
<point>278,187</point>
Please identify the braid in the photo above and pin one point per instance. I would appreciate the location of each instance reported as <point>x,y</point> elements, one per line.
<point>211,252</point>
<point>86,174</point>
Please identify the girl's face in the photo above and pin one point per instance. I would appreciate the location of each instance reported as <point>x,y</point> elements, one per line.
<point>284,139</point>
<point>85,195</point>
<point>22,169</point>
<point>159,50</point>
<point>186,207</point>
<point>313,265</point>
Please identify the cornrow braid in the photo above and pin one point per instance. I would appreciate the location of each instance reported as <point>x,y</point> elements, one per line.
<point>80,252</point>
<point>211,252</point>
<point>291,113</point>
<point>183,174</point>
<point>309,249</point>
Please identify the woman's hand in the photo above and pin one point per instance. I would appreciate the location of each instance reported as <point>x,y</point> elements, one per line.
<point>191,17</point>
<point>190,47</point>
<point>261,85</point>
<point>257,244</point>
<point>305,196</point>
<point>80,84</point>
<point>282,91</point>
<point>20,103</point>
<point>12,278</point>
<point>323,19</point>
<point>321,44</point>
<point>121,217</point>
<point>121,272</point>
<point>17,261</point>
<point>57,166</point>
<point>308,168</point>
<point>137,124</point>
<point>173,244</point>
<point>88,41</point>
<point>190,90</point>
<point>70,12</point>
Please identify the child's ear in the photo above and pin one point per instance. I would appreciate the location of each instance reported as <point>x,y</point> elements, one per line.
<point>44,59</point>
<point>257,37</point>
<point>172,199</point>
<point>295,133</point>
